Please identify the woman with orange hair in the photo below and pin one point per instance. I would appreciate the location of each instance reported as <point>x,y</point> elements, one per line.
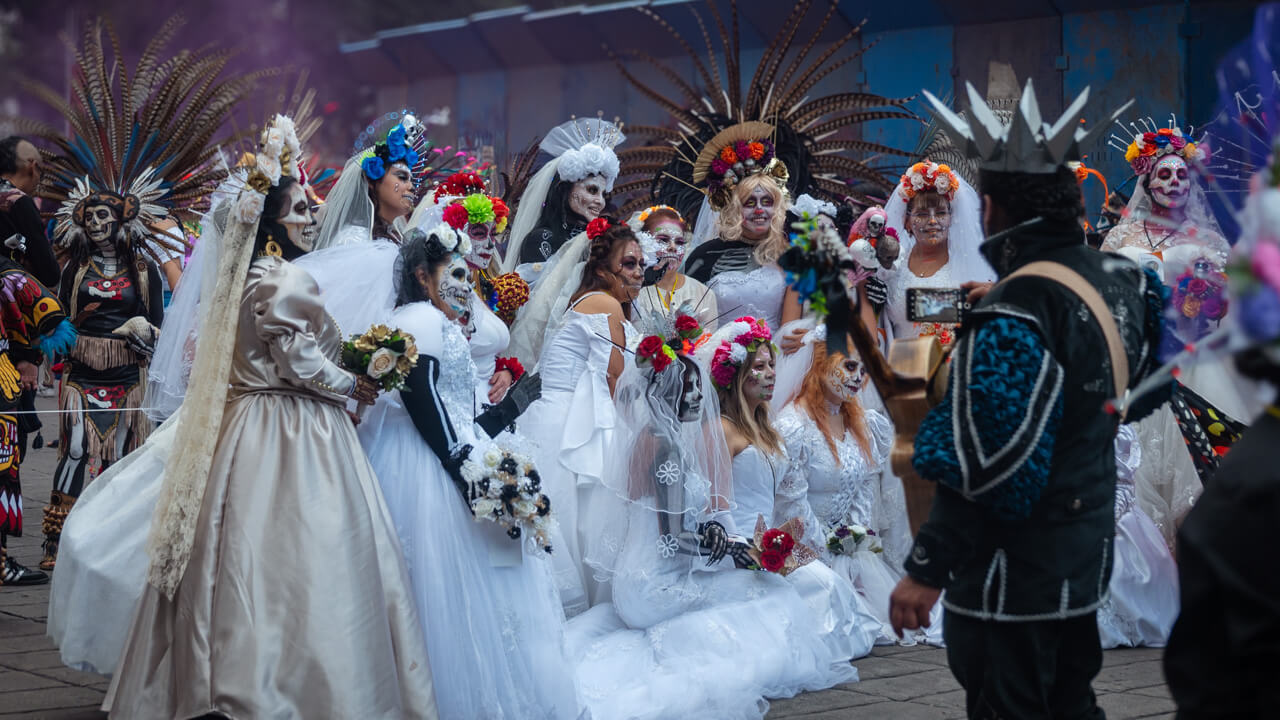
<point>842,447</point>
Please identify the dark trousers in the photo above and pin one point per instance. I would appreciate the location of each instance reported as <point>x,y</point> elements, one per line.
<point>1025,670</point>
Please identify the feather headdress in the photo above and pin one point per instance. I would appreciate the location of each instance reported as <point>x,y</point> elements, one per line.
<point>143,142</point>
<point>804,132</point>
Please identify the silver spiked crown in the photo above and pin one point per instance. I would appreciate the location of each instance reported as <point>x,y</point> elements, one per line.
<point>1025,145</point>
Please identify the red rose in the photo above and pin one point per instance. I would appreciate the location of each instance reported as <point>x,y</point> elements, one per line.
<point>649,347</point>
<point>684,322</point>
<point>661,361</point>
<point>777,540</point>
<point>499,208</point>
<point>1197,286</point>
<point>773,560</point>
<point>596,228</point>
<point>456,216</point>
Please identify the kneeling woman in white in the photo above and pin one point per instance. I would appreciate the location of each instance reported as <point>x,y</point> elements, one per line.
<point>688,633</point>
<point>490,611</point>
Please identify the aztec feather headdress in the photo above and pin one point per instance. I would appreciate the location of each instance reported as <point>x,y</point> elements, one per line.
<point>1027,144</point>
<point>144,143</point>
<point>804,132</point>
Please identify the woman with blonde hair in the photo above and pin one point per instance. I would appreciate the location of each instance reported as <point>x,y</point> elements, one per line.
<point>841,449</point>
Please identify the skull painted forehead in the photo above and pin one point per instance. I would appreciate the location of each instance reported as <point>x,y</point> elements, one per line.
<point>587,197</point>
<point>1169,182</point>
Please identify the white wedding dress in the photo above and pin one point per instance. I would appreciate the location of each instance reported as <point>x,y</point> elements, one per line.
<point>758,293</point>
<point>491,615</point>
<point>1143,603</point>
<point>488,341</point>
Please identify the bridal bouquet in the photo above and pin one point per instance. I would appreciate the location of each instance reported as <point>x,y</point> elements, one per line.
<point>779,550</point>
<point>849,539</point>
<point>383,354</point>
<point>504,487</point>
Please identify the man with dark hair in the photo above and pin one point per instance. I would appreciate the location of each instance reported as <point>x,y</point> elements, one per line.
<point>1021,530</point>
<point>19,177</point>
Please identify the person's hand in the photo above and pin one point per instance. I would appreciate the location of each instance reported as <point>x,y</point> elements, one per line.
<point>28,375</point>
<point>715,540</point>
<point>877,291</point>
<point>910,604</point>
<point>498,386</point>
<point>977,290</point>
<point>366,390</point>
<point>793,341</point>
<point>140,334</point>
<point>355,418</point>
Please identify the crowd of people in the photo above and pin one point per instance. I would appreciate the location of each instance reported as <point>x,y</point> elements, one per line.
<point>422,449</point>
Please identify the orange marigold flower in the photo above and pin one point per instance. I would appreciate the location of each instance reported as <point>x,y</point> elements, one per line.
<point>1164,131</point>
<point>757,150</point>
<point>728,155</point>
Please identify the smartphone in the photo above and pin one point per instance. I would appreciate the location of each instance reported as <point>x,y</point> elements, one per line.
<point>939,305</point>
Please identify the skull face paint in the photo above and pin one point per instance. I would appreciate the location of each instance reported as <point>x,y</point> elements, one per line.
<point>757,214</point>
<point>672,243</point>
<point>100,224</point>
<point>760,378</point>
<point>455,291</point>
<point>846,379</point>
<point>482,244</point>
<point>1169,182</point>
<point>691,397</point>
<point>297,218</point>
<point>587,197</point>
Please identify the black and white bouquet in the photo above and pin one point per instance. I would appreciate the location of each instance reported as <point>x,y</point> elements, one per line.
<point>503,486</point>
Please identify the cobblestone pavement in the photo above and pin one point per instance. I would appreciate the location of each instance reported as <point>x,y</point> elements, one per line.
<point>912,683</point>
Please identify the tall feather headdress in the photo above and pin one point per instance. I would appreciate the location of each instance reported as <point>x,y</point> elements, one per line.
<point>806,133</point>
<point>146,141</point>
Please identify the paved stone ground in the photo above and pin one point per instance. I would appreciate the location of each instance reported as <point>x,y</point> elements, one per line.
<point>911,683</point>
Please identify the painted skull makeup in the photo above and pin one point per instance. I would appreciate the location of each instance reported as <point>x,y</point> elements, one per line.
<point>482,244</point>
<point>587,197</point>
<point>757,214</point>
<point>672,243</point>
<point>1169,182</point>
<point>100,224</point>
<point>760,378</point>
<point>846,379</point>
<point>455,290</point>
<point>297,218</point>
<point>691,398</point>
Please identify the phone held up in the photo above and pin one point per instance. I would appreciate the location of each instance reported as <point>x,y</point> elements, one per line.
<point>937,305</point>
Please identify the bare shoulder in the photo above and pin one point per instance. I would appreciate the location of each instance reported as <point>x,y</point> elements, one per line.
<point>600,303</point>
<point>736,441</point>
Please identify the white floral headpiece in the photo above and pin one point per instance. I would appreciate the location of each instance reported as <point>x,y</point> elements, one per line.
<point>809,205</point>
<point>590,159</point>
<point>453,240</point>
<point>278,156</point>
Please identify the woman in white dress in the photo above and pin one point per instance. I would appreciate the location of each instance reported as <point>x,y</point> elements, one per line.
<point>937,216</point>
<point>691,632</point>
<point>842,448</point>
<point>674,290</point>
<point>572,423</point>
<point>491,614</point>
<point>1144,579</point>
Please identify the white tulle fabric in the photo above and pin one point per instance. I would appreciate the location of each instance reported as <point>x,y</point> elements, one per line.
<point>102,559</point>
<point>706,227</point>
<point>494,630</point>
<point>356,280</point>
<point>572,427</point>
<point>691,295</point>
<point>1166,482</point>
<point>347,206</point>
<point>758,293</point>
<point>539,319</point>
<point>1144,580</point>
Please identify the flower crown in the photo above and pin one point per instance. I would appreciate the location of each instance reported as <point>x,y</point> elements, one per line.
<point>476,210</point>
<point>734,154</point>
<point>643,216</point>
<point>597,227</point>
<point>450,239</point>
<point>278,156</point>
<point>926,175</point>
<point>736,341</point>
<point>1147,148</point>
<point>661,352</point>
<point>388,152</point>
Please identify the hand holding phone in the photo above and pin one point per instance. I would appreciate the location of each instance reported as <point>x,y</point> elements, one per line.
<point>938,305</point>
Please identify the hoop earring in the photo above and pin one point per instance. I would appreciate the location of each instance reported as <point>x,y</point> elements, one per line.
<point>272,248</point>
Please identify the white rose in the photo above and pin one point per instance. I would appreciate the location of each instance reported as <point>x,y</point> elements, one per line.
<point>524,507</point>
<point>737,353</point>
<point>249,205</point>
<point>484,507</point>
<point>492,457</point>
<point>942,184</point>
<point>382,362</point>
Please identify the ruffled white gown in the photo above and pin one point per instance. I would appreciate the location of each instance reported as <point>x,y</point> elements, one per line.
<point>758,293</point>
<point>846,494</point>
<point>1144,579</point>
<point>712,642</point>
<point>571,425</point>
<point>491,616</point>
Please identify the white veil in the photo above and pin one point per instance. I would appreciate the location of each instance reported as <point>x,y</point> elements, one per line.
<point>540,317</point>
<point>348,210</point>
<point>1198,214</point>
<point>964,240</point>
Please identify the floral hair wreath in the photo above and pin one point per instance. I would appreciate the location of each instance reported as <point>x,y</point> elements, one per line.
<point>278,156</point>
<point>477,209</point>
<point>597,227</point>
<point>925,176</point>
<point>661,352</point>
<point>450,238</point>
<point>643,216</point>
<point>1147,149</point>
<point>739,339</point>
<point>395,149</point>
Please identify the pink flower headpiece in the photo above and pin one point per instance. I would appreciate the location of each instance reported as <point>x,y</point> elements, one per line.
<point>730,346</point>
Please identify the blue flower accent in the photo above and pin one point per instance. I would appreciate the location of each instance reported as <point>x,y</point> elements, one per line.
<point>410,157</point>
<point>373,167</point>
<point>396,136</point>
<point>806,285</point>
<point>395,151</point>
<point>1162,140</point>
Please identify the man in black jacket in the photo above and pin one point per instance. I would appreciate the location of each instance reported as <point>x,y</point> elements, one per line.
<point>1021,530</point>
<point>19,177</point>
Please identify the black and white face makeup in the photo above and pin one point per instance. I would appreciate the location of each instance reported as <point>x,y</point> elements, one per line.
<point>100,224</point>
<point>672,243</point>
<point>1170,182</point>
<point>482,244</point>
<point>691,397</point>
<point>587,197</point>
<point>758,384</point>
<point>846,379</point>
<point>297,218</point>
<point>757,214</point>
<point>455,287</point>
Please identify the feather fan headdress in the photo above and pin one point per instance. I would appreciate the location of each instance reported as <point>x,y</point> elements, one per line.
<point>143,142</point>
<point>803,132</point>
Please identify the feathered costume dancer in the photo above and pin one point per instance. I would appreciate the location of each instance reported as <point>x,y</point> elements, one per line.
<point>142,149</point>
